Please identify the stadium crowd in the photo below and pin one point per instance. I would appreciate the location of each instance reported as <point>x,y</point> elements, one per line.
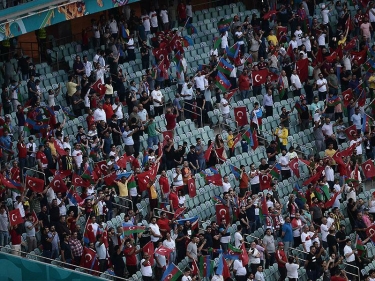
<point>59,195</point>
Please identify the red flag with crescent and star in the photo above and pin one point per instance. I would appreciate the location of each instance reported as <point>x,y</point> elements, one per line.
<point>240,115</point>
<point>265,181</point>
<point>207,153</point>
<point>347,96</point>
<point>163,251</point>
<point>99,87</point>
<point>122,161</point>
<point>149,248</point>
<point>89,259</point>
<point>58,184</point>
<point>78,181</point>
<point>370,232</point>
<point>88,235</point>
<point>222,211</point>
<point>259,77</point>
<point>294,167</point>
<point>351,132</point>
<point>15,217</point>
<point>194,268</point>
<point>102,167</point>
<point>368,169</point>
<point>192,188</point>
<point>34,184</point>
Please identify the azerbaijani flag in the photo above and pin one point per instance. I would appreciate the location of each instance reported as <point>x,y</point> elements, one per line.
<point>205,266</point>
<point>128,230</point>
<point>222,82</point>
<point>360,247</point>
<point>235,171</point>
<point>172,273</point>
<point>248,136</point>
<point>225,67</point>
<point>224,24</point>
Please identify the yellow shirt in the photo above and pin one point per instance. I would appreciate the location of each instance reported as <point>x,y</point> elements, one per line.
<point>153,192</point>
<point>371,82</point>
<point>273,39</point>
<point>330,152</point>
<point>230,141</point>
<point>71,88</point>
<point>53,149</point>
<point>283,135</point>
<point>123,189</point>
<point>341,42</point>
<point>109,89</point>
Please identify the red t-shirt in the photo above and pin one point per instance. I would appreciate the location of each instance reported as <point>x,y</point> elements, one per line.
<point>164,224</point>
<point>243,82</point>
<point>15,174</point>
<point>181,8</point>
<point>22,150</point>
<point>174,198</point>
<point>15,237</point>
<point>171,121</point>
<point>130,259</point>
<point>42,157</point>
<point>280,255</point>
<point>108,111</point>
<point>90,120</point>
<point>164,183</point>
<point>337,278</point>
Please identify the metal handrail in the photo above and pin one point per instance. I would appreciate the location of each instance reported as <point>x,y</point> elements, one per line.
<point>200,108</point>
<point>125,199</point>
<point>91,271</point>
<point>347,264</point>
<point>36,171</point>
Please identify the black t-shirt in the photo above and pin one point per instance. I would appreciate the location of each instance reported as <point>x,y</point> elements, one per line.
<point>67,250</point>
<point>117,260</point>
<point>271,150</point>
<point>284,116</point>
<point>136,135</point>
<point>331,241</point>
<point>47,245</point>
<point>263,167</point>
<point>313,264</point>
<point>242,216</point>
<point>145,238</point>
<point>113,66</point>
<point>341,236</point>
<point>114,125</point>
<point>170,155</point>
<point>145,51</point>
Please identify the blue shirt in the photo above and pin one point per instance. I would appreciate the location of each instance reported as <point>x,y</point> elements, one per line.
<point>287,229</point>
<point>6,142</point>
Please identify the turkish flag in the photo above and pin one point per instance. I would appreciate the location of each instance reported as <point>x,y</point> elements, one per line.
<point>143,180</point>
<point>89,259</point>
<point>241,116</point>
<point>255,139</point>
<point>78,181</point>
<point>259,77</point>
<point>163,251</point>
<point>105,238</point>
<point>332,57</point>
<point>281,31</point>
<point>370,231</point>
<point>63,173</point>
<point>347,96</point>
<point>194,268</point>
<point>122,161</point>
<point>236,140</point>
<point>302,69</point>
<point>215,179</point>
<point>330,202</point>
<point>192,188</point>
<point>88,234</point>
<point>207,153</point>
<point>244,255</point>
<point>149,248</point>
<point>34,184</point>
<point>368,169</point>
<point>351,132</point>
<point>109,179</point>
<point>269,14</point>
<point>58,184</point>
<point>222,211</point>
<point>313,179</point>
<point>351,45</point>
<point>294,167</point>
<point>359,56</point>
<point>15,217</point>
<point>349,151</point>
<point>102,167</point>
<point>60,150</point>
<point>265,181</point>
<point>98,87</point>
<point>179,212</point>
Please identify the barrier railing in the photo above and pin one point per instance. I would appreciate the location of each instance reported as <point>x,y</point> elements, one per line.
<point>87,273</point>
<point>192,112</point>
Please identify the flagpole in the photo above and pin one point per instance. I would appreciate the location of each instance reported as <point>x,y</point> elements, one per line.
<point>368,106</point>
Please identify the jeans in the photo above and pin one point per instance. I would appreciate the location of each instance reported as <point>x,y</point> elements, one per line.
<point>287,245</point>
<point>244,94</point>
<point>270,260</point>
<point>152,140</point>
<point>202,164</point>
<point>4,238</point>
<point>312,274</point>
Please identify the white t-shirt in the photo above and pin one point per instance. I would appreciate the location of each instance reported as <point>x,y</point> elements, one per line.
<point>320,82</point>
<point>199,82</point>
<point>164,16</point>
<point>157,95</point>
<point>143,115</point>
<point>322,39</point>
<point>297,231</point>
<point>224,106</point>
<point>325,16</point>
<point>99,114</point>
<point>294,79</point>
<point>113,26</point>
<point>237,239</point>
<point>330,173</point>
<point>327,129</point>
<point>153,19</point>
<point>291,269</point>
<point>224,40</point>
<point>239,268</point>
<point>294,44</point>
<point>371,14</point>
<point>179,181</point>
<point>146,270</point>
<point>169,244</point>
<point>33,148</point>
<point>324,231</point>
<point>359,147</point>
<point>146,22</point>
<point>347,250</point>
<point>156,230</point>
<point>284,160</point>
<point>19,206</point>
<point>189,10</point>
<point>101,251</point>
<point>62,208</point>
<point>298,34</point>
<point>254,257</point>
<point>77,156</point>
<point>118,113</point>
<point>239,38</point>
<point>226,186</point>
<point>128,139</point>
<point>254,177</point>
<point>306,239</point>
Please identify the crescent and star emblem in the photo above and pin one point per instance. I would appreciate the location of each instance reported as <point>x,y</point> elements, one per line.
<point>89,257</point>
<point>369,169</point>
<point>14,217</point>
<point>255,78</point>
<point>240,114</point>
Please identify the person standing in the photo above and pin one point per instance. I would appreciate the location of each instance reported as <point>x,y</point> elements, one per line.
<point>292,268</point>
<point>281,261</point>
<point>30,232</point>
<point>4,226</point>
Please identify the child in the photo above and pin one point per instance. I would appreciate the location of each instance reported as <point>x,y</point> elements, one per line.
<point>230,143</point>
